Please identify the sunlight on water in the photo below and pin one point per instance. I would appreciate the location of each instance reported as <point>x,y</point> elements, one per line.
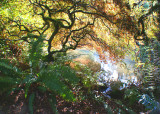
<point>122,71</point>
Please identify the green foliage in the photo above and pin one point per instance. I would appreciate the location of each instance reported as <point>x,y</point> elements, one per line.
<point>31,101</point>
<point>88,77</point>
<point>107,107</point>
<point>149,64</point>
<point>52,101</point>
<point>148,102</point>
<point>8,69</point>
<point>132,94</point>
<point>10,75</point>
<point>3,48</point>
<point>28,80</point>
<point>7,83</point>
<point>116,85</point>
<point>124,107</point>
<point>35,52</point>
<point>55,78</point>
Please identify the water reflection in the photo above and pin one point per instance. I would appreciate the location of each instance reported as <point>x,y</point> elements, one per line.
<point>122,71</point>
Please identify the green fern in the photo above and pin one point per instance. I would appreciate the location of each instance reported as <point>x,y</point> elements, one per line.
<point>7,83</point>
<point>8,69</point>
<point>28,80</point>
<point>65,73</point>
<point>54,77</point>
<point>31,102</point>
<point>52,101</point>
<point>10,75</point>
<point>132,95</point>
<point>148,102</point>
<point>35,52</point>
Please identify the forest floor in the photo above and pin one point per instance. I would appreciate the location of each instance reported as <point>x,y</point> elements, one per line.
<point>17,104</point>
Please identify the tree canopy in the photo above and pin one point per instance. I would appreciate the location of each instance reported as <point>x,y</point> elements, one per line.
<point>68,24</point>
<point>36,35</point>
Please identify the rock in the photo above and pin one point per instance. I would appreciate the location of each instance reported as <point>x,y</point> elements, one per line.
<point>117,94</point>
<point>155,111</point>
<point>84,57</point>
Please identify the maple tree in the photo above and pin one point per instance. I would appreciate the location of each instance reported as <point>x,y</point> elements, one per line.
<point>68,24</point>
<point>38,30</point>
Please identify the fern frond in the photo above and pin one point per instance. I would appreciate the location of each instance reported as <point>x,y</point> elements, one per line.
<point>9,70</point>
<point>31,101</point>
<point>51,81</point>
<point>148,102</point>
<point>35,52</point>
<point>11,75</point>
<point>53,78</point>
<point>7,83</point>
<point>66,73</point>
<point>52,101</point>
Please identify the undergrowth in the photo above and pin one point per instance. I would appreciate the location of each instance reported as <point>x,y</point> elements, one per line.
<point>53,77</point>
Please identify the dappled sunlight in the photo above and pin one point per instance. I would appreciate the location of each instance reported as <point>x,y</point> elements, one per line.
<point>79,56</point>
<point>114,71</point>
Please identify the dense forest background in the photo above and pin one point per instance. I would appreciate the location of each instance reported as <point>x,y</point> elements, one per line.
<point>40,72</point>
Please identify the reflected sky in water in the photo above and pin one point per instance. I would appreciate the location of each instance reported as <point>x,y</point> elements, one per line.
<point>122,71</point>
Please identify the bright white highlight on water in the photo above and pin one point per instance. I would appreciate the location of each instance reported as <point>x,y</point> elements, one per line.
<point>116,72</point>
<point>122,71</point>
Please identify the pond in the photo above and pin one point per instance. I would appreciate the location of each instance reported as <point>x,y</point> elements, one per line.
<point>122,71</point>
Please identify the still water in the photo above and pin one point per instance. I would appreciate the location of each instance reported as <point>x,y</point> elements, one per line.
<point>122,71</point>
